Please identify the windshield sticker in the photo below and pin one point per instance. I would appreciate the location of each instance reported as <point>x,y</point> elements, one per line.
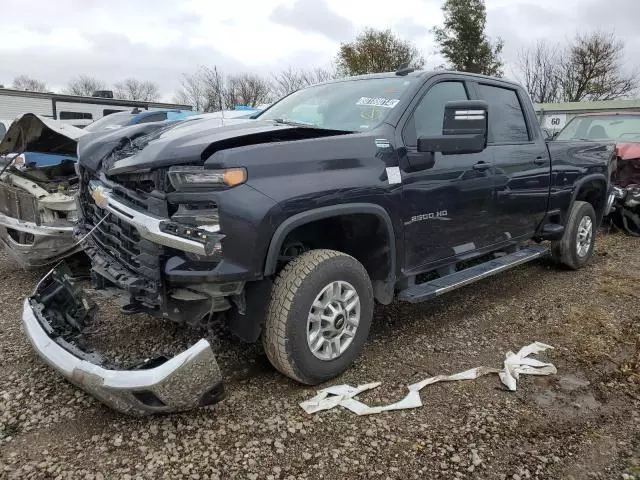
<point>378,102</point>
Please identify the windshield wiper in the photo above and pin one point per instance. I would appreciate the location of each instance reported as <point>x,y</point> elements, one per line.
<point>282,121</point>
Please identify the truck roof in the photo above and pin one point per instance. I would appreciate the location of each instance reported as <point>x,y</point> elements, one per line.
<point>420,73</point>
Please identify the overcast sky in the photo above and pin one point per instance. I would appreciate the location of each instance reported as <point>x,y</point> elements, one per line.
<point>161,39</point>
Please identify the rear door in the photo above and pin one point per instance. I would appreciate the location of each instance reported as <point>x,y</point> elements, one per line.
<point>447,200</point>
<point>521,162</point>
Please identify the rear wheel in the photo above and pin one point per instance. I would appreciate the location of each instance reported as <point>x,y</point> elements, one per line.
<point>319,316</point>
<point>576,246</point>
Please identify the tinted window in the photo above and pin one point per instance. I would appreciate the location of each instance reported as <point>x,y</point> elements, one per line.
<point>75,116</point>
<point>3,130</point>
<point>429,113</point>
<point>506,119</point>
<point>154,117</point>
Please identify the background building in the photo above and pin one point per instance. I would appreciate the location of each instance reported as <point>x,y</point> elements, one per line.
<point>554,116</point>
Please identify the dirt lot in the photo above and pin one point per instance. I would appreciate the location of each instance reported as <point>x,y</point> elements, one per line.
<point>583,422</point>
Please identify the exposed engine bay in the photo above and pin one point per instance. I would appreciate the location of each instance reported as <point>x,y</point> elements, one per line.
<point>625,212</point>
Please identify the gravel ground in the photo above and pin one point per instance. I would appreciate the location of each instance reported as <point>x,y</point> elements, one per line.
<point>583,422</point>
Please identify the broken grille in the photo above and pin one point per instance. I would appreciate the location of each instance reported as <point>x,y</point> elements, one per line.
<point>16,203</point>
<point>122,241</point>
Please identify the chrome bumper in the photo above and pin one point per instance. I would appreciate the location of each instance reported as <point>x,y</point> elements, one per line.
<point>50,244</point>
<point>148,226</point>
<point>190,379</point>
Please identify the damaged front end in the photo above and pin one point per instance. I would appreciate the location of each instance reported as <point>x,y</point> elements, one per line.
<point>38,183</point>
<point>624,201</point>
<point>55,317</point>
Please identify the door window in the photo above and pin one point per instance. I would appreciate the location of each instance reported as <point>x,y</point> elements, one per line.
<point>429,114</point>
<point>506,119</point>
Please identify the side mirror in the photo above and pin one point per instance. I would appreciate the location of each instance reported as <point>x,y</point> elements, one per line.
<point>464,129</point>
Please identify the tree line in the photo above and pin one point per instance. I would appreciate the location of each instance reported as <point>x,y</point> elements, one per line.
<point>86,85</point>
<point>589,66</point>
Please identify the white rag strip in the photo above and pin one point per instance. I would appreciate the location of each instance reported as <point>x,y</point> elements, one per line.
<point>515,364</point>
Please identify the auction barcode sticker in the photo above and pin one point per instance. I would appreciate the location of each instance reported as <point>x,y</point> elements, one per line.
<point>378,102</point>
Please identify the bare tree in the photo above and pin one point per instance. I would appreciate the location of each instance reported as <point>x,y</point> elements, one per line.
<point>214,89</point>
<point>589,68</point>
<point>193,91</point>
<point>24,82</point>
<point>594,69</point>
<point>290,80</point>
<point>133,89</point>
<point>246,89</point>
<point>84,85</point>
<point>540,72</point>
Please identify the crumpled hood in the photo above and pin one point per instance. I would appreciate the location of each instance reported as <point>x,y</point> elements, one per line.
<point>34,133</point>
<point>628,151</point>
<point>188,142</point>
<point>628,168</point>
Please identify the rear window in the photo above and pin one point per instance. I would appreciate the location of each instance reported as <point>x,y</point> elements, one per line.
<point>115,120</point>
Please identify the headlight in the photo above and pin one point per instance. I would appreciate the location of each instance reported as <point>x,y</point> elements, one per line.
<point>210,241</point>
<point>190,178</point>
<point>207,219</point>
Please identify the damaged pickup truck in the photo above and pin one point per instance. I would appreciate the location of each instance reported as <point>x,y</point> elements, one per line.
<point>37,187</point>
<point>400,185</point>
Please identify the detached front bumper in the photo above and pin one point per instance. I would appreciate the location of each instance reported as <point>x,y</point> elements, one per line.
<point>42,244</point>
<point>188,380</point>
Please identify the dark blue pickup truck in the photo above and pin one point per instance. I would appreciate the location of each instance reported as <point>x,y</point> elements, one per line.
<point>291,226</point>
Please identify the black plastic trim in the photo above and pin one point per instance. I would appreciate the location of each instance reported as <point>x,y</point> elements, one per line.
<point>327,212</point>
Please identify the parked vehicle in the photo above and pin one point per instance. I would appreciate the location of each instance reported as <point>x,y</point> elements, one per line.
<point>399,185</point>
<point>623,129</point>
<point>135,117</point>
<point>38,182</point>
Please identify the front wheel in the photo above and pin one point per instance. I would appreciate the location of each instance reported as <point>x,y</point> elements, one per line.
<point>319,316</point>
<point>576,246</point>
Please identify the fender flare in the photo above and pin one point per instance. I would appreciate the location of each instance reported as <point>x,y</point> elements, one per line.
<point>600,177</point>
<point>309,216</point>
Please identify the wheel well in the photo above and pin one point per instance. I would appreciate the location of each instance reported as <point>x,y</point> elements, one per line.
<point>364,236</point>
<point>595,193</point>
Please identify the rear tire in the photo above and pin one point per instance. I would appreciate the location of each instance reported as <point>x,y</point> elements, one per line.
<point>575,249</point>
<point>319,316</point>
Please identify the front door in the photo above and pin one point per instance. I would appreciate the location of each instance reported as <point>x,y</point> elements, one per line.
<point>522,165</point>
<point>447,202</point>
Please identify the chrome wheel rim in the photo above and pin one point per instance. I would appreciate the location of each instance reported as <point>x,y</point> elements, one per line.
<point>333,320</point>
<point>585,235</point>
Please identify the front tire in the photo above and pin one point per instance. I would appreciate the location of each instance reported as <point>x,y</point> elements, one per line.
<point>575,248</point>
<point>319,316</point>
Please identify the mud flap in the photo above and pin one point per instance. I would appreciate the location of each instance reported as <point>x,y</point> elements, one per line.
<point>58,311</point>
